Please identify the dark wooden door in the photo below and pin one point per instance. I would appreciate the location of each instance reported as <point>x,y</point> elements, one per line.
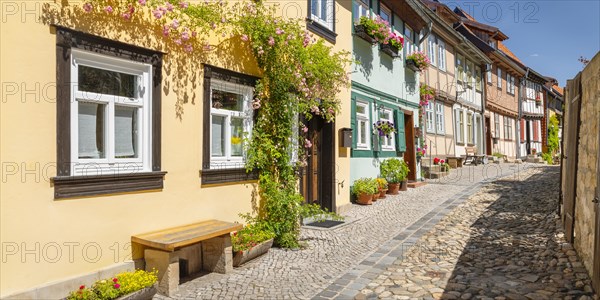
<point>528,136</point>
<point>488,136</point>
<point>317,182</point>
<point>571,155</point>
<point>409,155</point>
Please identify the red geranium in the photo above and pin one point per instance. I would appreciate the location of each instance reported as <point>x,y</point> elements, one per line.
<point>436,161</point>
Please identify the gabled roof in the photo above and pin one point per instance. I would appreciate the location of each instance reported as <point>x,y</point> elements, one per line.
<point>507,51</point>
<point>441,9</point>
<point>472,22</point>
<point>409,11</point>
<point>558,89</point>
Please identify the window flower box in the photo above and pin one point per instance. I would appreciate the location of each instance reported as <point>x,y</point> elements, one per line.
<point>243,256</point>
<point>361,31</point>
<point>143,294</point>
<point>390,50</point>
<point>412,64</point>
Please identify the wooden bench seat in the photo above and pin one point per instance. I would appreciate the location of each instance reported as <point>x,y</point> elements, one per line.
<point>472,156</point>
<point>186,250</point>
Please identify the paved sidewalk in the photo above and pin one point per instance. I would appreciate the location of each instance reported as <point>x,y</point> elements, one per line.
<point>343,261</point>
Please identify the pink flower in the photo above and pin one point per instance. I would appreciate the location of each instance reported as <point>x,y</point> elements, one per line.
<point>82,287</point>
<point>223,20</point>
<point>331,111</point>
<point>157,13</point>
<point>271,41</point>
<point>108,9</point>
<point>175,24</point>
<point>307,143</point>
<point>115,280</point>
<point>88,7</point>
<point>244,38</point>
<point>183,4</point>
<point>188,48</point>
<point>261,52</point>
<point>304,129</point>
<point>256,104</point>
<point>126,16</point>
<point>178,41</point>
<point>166,30</point>
<point>169,6</point>
<point>117,286</point>
<point>279,31</point>
<point>142,2</point>
<point>185,36</point>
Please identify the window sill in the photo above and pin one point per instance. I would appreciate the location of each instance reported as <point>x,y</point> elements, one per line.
<point>223,175</point>
<point>321,30</point>
<point>81,186</point>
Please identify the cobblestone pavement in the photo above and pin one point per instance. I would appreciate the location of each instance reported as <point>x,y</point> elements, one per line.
<point>361,256</point>
<point>504,242</point>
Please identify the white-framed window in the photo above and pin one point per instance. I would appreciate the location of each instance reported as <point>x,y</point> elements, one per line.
<point>110,115</point>
<point>388,144</point>
<point>470,127</point>
<point>430,116</point>
<point>499,83</point>
<point>469,75</point>
<point>441,54</point>
<point>510,84</point>
<point>478,78</point>
<point>322,12</point>
<point>459,125</point>
<point>459,68</point>
<point>385,13</point>
<point>409,37</point>
<point>489,73</point>
<point>431,47</point>
<point>492,43</point>
<point>439,117</point>
<point>497,125</point>
<point>361,9</point>
<point>230,119</point>
<point>363,125</point>
<point>507,128</point>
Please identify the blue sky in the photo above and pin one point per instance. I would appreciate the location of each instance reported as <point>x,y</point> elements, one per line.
<point>548,36</point>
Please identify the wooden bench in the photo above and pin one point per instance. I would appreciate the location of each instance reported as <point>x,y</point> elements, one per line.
<point>472,156</point>
<point>186,250</point>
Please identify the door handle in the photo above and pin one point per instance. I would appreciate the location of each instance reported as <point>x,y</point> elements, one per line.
<point>596,200</point>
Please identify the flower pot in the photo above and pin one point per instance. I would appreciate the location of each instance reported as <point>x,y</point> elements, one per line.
<point>393,188</point>
<point>412,64</point>
<point>243,256</point>
<point>404,185</point>
<point>389,50</point>
<point>143,294</point>
<point>375,196</point>
<point>360,31</point>
<point>382,193</point>
<point>364,199</point>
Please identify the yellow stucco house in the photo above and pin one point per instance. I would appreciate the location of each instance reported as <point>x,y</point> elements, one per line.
<point>150,150</point>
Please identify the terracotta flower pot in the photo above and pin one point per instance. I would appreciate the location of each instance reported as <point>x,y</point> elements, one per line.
<point>404,185</point>
<point>375,197</point>
<point>393,188</point>
<point>364,199</point>
<point>382,193</point>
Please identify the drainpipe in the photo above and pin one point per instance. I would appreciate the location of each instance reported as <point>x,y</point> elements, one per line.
<point>518,135</point>
<point>483,95</point>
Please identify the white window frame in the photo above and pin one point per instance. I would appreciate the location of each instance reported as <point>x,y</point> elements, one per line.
<point>431,48</point>
<point>489,73</point>
<point>441,54</point>
<point>328,23</point>
<point>478,83</point>
<point>439,117</point>
<point>409,40</point>
<point>429,111</point>
<point>459,124</point>
<point>499,73</point>
<point>366,119</point>
<point>470,125</point>
<point>497,125</point>
<point>229,161</point>
<point>361,7</point>
<point>388,144</point>
<point>110,164</point>
<point>460,69</point>
<point>388,12</point>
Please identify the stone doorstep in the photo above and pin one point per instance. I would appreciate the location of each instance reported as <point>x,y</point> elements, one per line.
<point>416,184</point>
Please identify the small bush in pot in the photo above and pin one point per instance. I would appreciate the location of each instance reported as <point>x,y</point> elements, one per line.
<point>364,188</point>
<point>383,187</point>
<point>123,284</point>
<point>394,171</point>
<point>250,236</point>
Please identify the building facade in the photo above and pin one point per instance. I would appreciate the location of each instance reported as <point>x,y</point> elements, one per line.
<point>532,117</point>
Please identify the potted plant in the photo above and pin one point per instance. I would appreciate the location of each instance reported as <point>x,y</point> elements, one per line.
<point>444,166</point>
<point>363,189</point>
<point>384,128</point>
<point>137,285</point>
<point>538,101</point>
<point>418,61</point>
<point>436,161</point>
<point>403,175</point>
<point>533,151</point>
<point>391,170</point>
<point>251,242</point>
<point>420,153</point>
<point>383,187</point>
<point>371,30</point>
<point>394,44</point>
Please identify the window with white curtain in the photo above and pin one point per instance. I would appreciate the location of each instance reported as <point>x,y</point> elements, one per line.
<point>459,68</point>
<point>470,127</point>
<point>431,47</point>
<point>499,78</point>
<point>489,73</point>
<point>230,119</point>
<point>441,54</point>
<point>478,78</point>
<point>388,144</point>
<point>322,12</point>
<point>459,125</point>
<point>110,115</point>
<point>363,125</point>
<point>361,9</point>
<point>408,40</point>
<point>430,116</point>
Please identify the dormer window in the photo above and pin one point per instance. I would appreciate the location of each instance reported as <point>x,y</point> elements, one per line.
<point>492,43</point>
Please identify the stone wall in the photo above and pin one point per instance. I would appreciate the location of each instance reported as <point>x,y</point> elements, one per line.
<point>587,163</point>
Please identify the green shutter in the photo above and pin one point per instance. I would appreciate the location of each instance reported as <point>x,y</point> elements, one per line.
<point>353,121</point>
<point>401,136</point>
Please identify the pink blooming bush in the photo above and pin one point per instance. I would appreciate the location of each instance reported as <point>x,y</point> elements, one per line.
<point>381,31</point>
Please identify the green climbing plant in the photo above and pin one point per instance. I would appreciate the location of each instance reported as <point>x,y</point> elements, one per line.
<point>301,78</point>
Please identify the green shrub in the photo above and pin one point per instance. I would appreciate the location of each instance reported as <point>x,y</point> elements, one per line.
<point>547,157</point>
<point>250,236</point>
<point>365,186</point>
<point>498,154</point>
<point>394,170</point>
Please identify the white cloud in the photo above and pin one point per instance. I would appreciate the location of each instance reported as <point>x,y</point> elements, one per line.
<point>534,55</point>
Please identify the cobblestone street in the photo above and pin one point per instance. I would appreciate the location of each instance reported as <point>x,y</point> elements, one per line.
<point>483,232</point>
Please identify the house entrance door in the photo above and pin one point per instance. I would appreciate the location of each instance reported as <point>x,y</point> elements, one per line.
<point>317,182</point>
<point>488,136</point>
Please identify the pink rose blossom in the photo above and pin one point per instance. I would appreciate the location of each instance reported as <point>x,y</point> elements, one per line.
<point>157,13</point>
<point>88,7</point>
<point>307,143</point>
<point>271,41</point>
<point>304,129</point>
<point>169,6</point>
<point>117,286</point>
<point>108,9</point>
<point>178,41</point>
<point>185,36</point>
<point>244,38</point>
<point>115,280</point>
<point>142,2</point>
<point>126,16</point>
<point>256,104</point>
<point>175,24</point>
<point>279,31</point>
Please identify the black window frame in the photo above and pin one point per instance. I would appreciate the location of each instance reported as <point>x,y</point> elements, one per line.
<point>65,184</point>
<point>210,176</point>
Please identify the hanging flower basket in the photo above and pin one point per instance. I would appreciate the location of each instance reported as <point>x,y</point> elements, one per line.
<point>361,31</point>
<point>412,65</point>
<point>384,128</point>
<point>390,50</point>
<point>419,59</point>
